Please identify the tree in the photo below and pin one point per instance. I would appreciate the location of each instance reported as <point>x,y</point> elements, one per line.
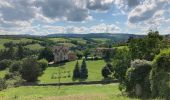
<point>86,53</point>
<point>47,54</point>
<point>5,64</point>
<point>147,47</point>
<point>43,64</point>
<point>84,70</point>
<point>30,69</point>
<point>76,71</point>
<point>10,54</point>
<point>15,66</point>
<point>2,84</point>
<point>121,62</point>
<point>20,52</point>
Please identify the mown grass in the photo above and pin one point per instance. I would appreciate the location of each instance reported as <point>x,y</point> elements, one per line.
<point>94,72</point>
<point>80,92</point>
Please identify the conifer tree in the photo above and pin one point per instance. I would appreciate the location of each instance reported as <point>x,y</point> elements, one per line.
<point>84,70</point>
<point>76,72</point>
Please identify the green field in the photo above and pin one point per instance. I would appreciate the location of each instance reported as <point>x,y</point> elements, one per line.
<point>34,47</point>
<point>2,73</point>
<point>80,92</point>
<point>94,72</point>
<point>101,39</point>
<point>2,41</point>
<point>62,40</point>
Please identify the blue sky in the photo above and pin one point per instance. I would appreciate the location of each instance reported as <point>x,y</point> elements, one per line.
<point>42,17</point>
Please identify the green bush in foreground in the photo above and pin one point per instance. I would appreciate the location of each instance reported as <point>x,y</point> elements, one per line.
<point>160,75</point>
<point>138,78</point>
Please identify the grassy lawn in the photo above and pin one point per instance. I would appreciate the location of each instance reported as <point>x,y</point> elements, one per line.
<point>94,72</point>
<point>80,92</point>
<point>34,47</point>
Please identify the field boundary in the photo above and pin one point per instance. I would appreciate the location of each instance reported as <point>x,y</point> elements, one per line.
<point>72,83</point>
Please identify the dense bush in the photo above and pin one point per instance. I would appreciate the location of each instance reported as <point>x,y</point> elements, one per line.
<point>2,84</point>
<point>30,69</point>
<point>106,72</point>
<point>4,64</point>
<point>13,79</point>
<point>43,64</point>
<point>15,66</point>
<point>138,78</point>
<point>160,75</point>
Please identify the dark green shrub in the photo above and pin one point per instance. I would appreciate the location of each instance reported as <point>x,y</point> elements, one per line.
<point>106,72</point>
<point>160,75</point>
<point>138,78</point>
<point>15,66</point>
<point>4,64</point>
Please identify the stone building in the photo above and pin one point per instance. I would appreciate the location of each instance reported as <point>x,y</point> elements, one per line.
<point>62,53</point>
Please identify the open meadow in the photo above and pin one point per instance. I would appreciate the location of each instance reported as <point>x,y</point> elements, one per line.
<point>80,92</point>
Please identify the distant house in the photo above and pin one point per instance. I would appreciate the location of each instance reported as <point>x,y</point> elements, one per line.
<point>62,53</point>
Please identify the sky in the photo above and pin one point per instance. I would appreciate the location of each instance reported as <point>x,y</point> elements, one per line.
<point>43,17</point>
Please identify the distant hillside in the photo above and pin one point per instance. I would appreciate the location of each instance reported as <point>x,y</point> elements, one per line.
<point>118,37</point>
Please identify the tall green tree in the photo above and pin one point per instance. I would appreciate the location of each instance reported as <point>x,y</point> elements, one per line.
<point>76,71</point>
<point>84,70</point>
<point>30,69</point>
<point>47,54</point>
<point>20,52</point>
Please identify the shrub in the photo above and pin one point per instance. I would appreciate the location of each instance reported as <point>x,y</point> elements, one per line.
<point>13,79</point>
<point>4,64</point>
<point>160,75</point>
<point>30,69</point>
<point>138,78</point>
<point>43,64</point>
<point>2,84</point>
<point>15,66</point>
<point>46,53</point>
<point>106,72</point>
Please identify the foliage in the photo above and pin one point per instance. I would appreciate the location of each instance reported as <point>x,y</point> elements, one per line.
<point>47,54</point>
<point>121,62</point>
<point>13,79</point>
<point>106,72</point>
<point>2,84</point>
<point>43,64</point>
<point>138,75</point>
<point>86,53</point>
<point>160,75</point>
<point>4,64</point>
<point>76,71</point>
<point>30,69</point>
<point>20,52</point>
<point>84,70</point>
<point>15,66</point>
<point>147,47</point>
